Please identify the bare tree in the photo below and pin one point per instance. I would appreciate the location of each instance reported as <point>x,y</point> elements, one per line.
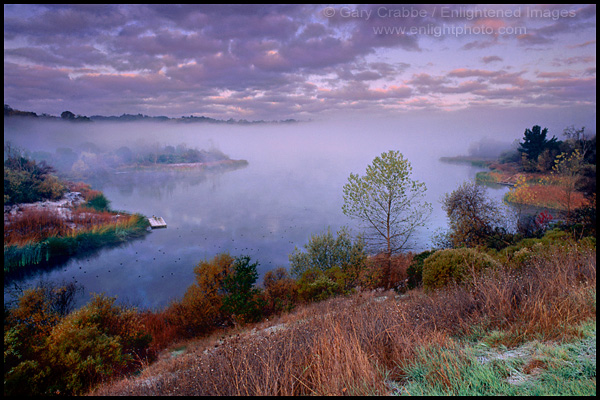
<point>473,216</point>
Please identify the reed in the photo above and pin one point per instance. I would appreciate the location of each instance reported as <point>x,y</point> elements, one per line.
<point>96,231</point>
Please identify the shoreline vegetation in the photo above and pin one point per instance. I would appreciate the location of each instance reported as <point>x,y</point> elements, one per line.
<point>48,219</point>
<point>219,165</point>
<point>43,233</point>
<point>538,190</point>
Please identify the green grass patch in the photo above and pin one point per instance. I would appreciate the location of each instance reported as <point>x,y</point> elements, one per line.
<point>532,369</point>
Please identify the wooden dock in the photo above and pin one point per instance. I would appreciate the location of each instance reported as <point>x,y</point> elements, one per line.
<point>157,222</point>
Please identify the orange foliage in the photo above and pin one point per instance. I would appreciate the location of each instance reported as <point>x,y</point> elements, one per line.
<point>281,291</point>
<point>374,274</point>
<point>163,330</point>
<point>551,196</point>
<point>200,309</point>
<point>86,191</point>
<point>35,225</point>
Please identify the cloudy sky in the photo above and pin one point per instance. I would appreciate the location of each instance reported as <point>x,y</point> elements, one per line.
<point>298,61</point>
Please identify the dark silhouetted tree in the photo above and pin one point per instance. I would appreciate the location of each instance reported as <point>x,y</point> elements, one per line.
<point>535,144</point>
<point>67,115</point>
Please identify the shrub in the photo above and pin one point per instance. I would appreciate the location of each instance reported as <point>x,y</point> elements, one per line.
<point>26,181</point>
<point>98,202</point>
<point>386,272</point>
<point>326,251</point>
<point>26,328</point>
<point>160,326</point>
<point>454,265</point>
<point>316,285</point>
<point>415,269</point>
<point>94,343</point>
<point>200,310</point>
<point>280,291</point>
<point>518,254</point>
<point>331,265</point>
<point>50,350</point>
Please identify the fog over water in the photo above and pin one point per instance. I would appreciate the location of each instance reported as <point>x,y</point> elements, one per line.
<point>290,190</point>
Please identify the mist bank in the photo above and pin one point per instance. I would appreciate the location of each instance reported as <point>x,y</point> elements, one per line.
<point>80,153</point>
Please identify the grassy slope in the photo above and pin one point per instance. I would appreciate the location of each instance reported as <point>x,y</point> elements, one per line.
<point>511,333</point>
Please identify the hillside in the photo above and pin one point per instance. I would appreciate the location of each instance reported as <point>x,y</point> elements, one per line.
<point>513,332</point>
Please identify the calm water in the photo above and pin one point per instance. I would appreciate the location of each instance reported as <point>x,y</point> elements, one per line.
<point>290,190</point>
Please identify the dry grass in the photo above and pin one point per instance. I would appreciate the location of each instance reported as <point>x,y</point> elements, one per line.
<point>553,196</point>
<point>35,225</point>
<point>353,345</point>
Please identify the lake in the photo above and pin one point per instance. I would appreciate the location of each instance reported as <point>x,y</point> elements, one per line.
<point>290,190</point>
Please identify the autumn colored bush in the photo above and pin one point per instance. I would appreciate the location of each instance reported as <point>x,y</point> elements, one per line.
<point>280,291</point>
<point>160,326</point>
<point>386,272</point>
<point>95,343</point>
<point>27,324</point>
<point>200,309</point>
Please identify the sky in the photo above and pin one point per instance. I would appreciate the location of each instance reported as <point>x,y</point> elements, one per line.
<point>307,62</point>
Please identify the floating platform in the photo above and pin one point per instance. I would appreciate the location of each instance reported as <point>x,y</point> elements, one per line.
<point>157,222</point>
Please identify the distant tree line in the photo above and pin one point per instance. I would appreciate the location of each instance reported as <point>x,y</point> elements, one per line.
<point>70,116</point>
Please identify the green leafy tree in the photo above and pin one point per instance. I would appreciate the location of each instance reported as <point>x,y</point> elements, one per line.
<point>241,300</point>
<point>324,252</point>
<point>388,202</point>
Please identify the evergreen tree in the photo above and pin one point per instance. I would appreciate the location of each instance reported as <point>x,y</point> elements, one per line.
<point>535,142</point>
